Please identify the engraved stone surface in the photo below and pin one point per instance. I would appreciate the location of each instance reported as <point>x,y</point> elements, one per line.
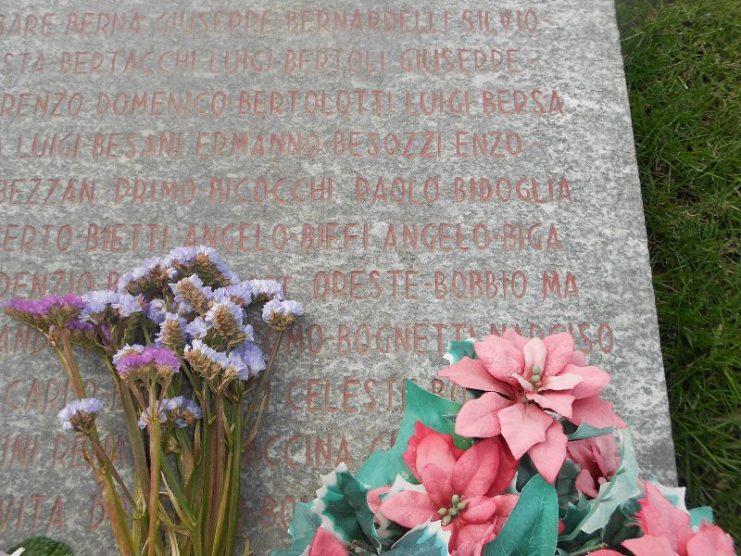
<point>414,172</point>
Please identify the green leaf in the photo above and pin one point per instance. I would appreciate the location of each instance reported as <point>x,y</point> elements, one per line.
<point>532,528</point>
<point>585,431</point>
<point>381,468</point>
<point>620,489</point>
<point>622,525</point>
<point>566,484</point>
<point>457,350</point>
<point>703,513</point>
<point>342,505</point>
<point>302,530</point>
<point>43,546</point>
<point>424,540</point>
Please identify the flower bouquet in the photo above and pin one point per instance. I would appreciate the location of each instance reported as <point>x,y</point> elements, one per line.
<point>536,463</point>
<point>176,338</point>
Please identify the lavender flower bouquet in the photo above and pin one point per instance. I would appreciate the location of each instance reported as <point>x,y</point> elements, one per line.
<point>176,338</point>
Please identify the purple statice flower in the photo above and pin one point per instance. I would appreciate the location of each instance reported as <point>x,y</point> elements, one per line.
<point>136,360</point>
<point>217,357</point>
<point>146,268</point>
<point>180,255</point>
<point>172,331</point>
<point>97,302</point>
<point>253,357</point>
<point>206,258</point>
<point>241,293</point>
<point>43,307</point>
<point>265,290</point>
<point>192,295</point>
<point>197,329</point>
<point>281,314</point>
<point>236,366</point>
<point>225,307</point>
<point>78,415</point>
<point>156,311</point>
<point>147,416</point>
<point>182,411</point>
<point>281,308</point>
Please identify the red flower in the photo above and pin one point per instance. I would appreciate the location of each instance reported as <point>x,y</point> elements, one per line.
<point>525,383</point>
<point>325,543</point>
<point>598,458</point>
<point>461,488</point>
<point>668,532</point>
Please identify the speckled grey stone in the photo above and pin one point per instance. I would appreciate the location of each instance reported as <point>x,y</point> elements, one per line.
<point>337,393</point>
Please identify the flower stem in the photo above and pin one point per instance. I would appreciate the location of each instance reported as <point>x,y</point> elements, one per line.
<point>154,477</point>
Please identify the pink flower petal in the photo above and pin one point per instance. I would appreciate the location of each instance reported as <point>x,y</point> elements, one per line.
<point>586,485</point>
<point>594,380</point>
<point>506,468</point>
<point>549,455</point>
<point>560,402</point>
<point>478,418</point>
<point>523,426</point>
<point>480,509</point>
<point>420,433</point>
<point>711,539</point>
<point>326,544</point>
<point>578,358</point>
<point>374,497</point>
<point>470,536</point>
<point>535,353</point>
<point>605,552</point>
<point>596,412</point>
<point>560,350</point>
<point>501,357</point>
<point>650,546</point>
<point>476,469</point>
<point>438,485</point>
<point>435,449</point>
<point>659,518</point>
<point>564,381</point>
<point>526,385</point>
<point>471,373</point>
<point>409,508</point>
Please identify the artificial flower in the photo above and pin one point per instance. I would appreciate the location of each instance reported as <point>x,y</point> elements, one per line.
<point>461,489</point>
<point>598,459</point>
<point>528,384</point>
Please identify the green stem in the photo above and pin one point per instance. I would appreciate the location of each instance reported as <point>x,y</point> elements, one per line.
<point>112,502</point>
<point>235,482</point>
<point>154,477</point>
<point>583,551</point>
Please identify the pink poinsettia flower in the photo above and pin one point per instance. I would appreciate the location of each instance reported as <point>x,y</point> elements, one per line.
<point>325,543</point>
<point>461,488</point>
<point>667,532</point>
<point>526,382</point>
<point>598,459</point>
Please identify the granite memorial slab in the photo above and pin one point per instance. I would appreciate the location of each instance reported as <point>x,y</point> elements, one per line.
<point>414,172</point>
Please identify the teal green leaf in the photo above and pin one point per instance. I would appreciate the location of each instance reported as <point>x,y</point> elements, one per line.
<point>43,546</point>
<point>703,513</point>
<point>457,350</point>
<point>343,508</point>
<point>585,431</point>
<point>532,528</point>
<point>566,484</point>
<point>425,540</point>
<point>622,524</point>
<point>302,530</point>
<point>381,468</point>
<point>620,489</point>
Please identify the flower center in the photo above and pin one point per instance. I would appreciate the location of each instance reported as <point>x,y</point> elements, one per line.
<point>457,505</point>
<point>536,376</point>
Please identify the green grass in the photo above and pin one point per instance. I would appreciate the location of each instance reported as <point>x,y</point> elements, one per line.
<point>682,67</point>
